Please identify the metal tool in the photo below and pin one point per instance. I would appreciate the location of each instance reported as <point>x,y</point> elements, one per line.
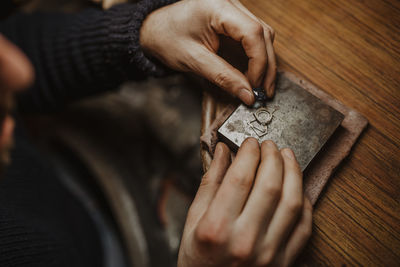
<point>294,118</point>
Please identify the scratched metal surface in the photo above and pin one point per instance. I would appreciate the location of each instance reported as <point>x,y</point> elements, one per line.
<point>300,121</point>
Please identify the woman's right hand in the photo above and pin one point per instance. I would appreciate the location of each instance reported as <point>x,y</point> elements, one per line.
<point>252,212</point>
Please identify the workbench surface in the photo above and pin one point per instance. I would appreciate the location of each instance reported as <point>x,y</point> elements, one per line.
<point>350,49</point>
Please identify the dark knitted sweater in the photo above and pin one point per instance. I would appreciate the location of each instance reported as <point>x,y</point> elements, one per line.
<point>74,55</point>
<point>77,55</point>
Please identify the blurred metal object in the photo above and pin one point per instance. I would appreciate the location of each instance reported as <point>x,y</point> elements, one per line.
<point>294,118</point>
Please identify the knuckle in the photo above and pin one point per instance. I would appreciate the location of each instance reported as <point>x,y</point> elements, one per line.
<point>209,180</point>
<point>209,237</point>
<point>241,252</point>
<point>222,79</point>
<point>243,181</point>
<point>269,33</point>
<point>212,233</point>
<point>272,32</point>
<point>275,156</point>
<point>293,205</point>
<point>267,258</point>
<point>222,147</point>
<point>272,154</point>
<point>274,191</point>
<point>189,59</point>
<point>257,29</point>
<point>243,244</point>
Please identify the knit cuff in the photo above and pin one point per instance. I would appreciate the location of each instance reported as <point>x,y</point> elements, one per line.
<point>123,23</point>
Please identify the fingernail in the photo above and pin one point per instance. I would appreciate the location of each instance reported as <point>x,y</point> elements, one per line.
<point>288,153</point>
<point>246,96</point>
<point>251,139</point>
<point>269,143</point>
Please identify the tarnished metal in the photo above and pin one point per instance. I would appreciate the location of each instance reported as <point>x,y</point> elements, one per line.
<point>293,118</point>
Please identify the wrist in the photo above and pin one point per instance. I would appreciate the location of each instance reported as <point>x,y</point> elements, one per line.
<point>124,24</point>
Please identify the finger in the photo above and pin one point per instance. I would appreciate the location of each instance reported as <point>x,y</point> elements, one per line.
<point>300,235</point>
<point>289,207</point>
<point>239,26</point>
<point>271,66</point>
<point>215,226</point>
<point>6,132</point>
<point>210,182</point>
<point>269,29</point>
<point>221,73</point>
<point>239,5</point>
<point>265,194</point>
<point>234,190</point>
<point>16,72</point>
<point>270,75</point>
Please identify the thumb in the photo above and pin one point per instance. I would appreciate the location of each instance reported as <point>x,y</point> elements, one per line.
<point>221,73</point>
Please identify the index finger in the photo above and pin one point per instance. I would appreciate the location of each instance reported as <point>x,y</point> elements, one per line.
<point>234,190</point>
<point>239,26</point>
<point>210,183</point>
<point>269,36</point>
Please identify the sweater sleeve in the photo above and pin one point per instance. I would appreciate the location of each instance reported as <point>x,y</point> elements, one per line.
<point>81,54</point>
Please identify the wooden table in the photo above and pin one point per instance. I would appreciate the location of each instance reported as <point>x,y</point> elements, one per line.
<point>350,49</point>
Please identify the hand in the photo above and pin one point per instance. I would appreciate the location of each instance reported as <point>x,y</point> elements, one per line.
<point>185,37</point>
<point>248,213</point>
<point>16,73</point>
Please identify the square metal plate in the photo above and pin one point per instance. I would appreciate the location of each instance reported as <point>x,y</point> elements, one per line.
<point>294,118</point>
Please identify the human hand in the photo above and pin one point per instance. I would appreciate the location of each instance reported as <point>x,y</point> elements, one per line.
<point>249,213</point>
<point>184,36</point>
<point>16,73</point>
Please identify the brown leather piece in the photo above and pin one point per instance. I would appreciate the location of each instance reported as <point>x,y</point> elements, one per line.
<point>324,164</point>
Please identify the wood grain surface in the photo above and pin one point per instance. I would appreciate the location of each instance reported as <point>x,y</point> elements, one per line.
<point>350,49</point>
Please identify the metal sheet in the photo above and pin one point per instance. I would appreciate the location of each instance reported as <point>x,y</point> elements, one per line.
<point>293,118</point>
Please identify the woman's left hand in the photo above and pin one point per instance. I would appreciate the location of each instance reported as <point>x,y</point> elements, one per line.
<point>185,36</point>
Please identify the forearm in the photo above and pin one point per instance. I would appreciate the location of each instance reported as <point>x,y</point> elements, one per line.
<point>77,55</point>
